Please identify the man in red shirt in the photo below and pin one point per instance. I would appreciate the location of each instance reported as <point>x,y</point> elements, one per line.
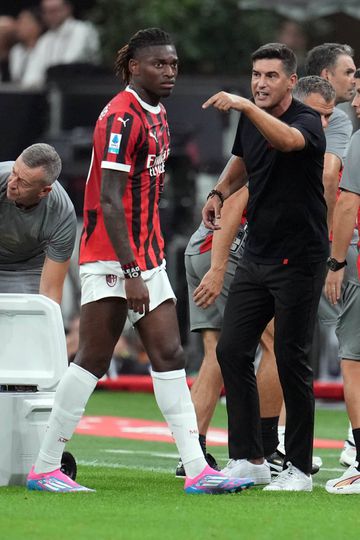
<point>123,270</point>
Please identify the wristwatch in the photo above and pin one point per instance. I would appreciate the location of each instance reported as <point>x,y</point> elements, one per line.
<point>335,265</point>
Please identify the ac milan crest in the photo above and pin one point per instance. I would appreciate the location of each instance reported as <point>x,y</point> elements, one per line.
<point>111,280</point>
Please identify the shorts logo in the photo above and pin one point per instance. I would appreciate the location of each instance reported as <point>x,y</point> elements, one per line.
<point>114,144</point>
<point>111,280</point>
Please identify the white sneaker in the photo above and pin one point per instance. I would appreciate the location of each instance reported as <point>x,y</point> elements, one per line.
<point>346,484</point>
<point>291,479</point>
<point>348,454</point>
<point>242,468</point>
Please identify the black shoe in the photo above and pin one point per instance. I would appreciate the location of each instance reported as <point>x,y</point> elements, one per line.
<point>276,462</point>
<point>211,461</point>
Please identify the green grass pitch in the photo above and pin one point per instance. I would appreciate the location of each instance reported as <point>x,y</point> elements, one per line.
<point>139,498</point>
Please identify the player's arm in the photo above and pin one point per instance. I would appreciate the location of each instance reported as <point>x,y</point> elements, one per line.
<point>345,213</point>
<point>280,135</point>
<point>332,167</point>
<point>52,278</point>
<point>233,178</point>
<point>212,282</point>
<point>112,190</point>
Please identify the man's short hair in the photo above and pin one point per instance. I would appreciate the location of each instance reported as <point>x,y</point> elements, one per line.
<point>45,156</point>
<point>279,51</point>
<point>325,56</point>
<point>312,84</point>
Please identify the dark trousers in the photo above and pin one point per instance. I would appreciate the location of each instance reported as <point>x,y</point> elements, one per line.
<point>258,293</point>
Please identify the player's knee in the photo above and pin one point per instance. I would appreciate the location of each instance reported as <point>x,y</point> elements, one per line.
<point>97,364</point>
<point>170,357</point>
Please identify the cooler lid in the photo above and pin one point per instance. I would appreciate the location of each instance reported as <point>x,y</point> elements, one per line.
<point>32,338</point>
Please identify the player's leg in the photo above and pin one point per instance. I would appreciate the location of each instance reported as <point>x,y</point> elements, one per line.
<point>208,384</point>
<point>101,323</point>
<point>347,331</point>
<point>161,338</point>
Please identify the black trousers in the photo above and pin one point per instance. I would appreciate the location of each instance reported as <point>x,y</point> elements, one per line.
<point>258,293</point>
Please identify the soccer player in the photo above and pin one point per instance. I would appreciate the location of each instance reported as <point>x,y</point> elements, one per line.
<point>123,269</point>
<point>279,150</point>
<point>347,212</point>
<point>37,225</point>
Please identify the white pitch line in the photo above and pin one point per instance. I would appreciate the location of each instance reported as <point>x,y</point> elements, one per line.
<point>96,463</point>
<point>142,452</point>
<point>153,454</point>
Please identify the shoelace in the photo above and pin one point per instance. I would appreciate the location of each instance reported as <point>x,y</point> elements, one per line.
<point>284,476</point>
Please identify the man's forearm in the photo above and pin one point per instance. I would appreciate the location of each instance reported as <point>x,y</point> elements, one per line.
<point>344,220</point>
<point>233,177</point>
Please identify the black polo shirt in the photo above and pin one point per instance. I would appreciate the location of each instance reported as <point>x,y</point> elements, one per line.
<point>286,209</point>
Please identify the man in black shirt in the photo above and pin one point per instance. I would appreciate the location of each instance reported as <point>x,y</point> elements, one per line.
<point>278,150</point>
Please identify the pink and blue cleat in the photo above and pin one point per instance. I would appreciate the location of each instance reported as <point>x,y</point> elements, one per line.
<point>213,482</point>
<point>54,481</point>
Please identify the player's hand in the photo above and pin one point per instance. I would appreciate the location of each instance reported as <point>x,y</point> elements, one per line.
<point>209,289</point>
<point>333,284</point>
<point>223,101</point>
<point>211,213</point>
<point>137,295</point>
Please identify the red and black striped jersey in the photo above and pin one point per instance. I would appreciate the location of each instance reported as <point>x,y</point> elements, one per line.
<point>130,136</point>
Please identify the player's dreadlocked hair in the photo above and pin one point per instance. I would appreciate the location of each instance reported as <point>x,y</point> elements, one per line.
<point>143,38</point>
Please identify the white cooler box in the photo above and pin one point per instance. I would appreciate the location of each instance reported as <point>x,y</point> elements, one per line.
<point>32,360</point>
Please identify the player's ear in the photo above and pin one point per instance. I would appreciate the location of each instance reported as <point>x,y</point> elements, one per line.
<point>134,66</point>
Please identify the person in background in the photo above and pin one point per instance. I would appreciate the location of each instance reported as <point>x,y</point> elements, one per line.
<point>7,40</point>
<point>346,214</point>
<point>335,62</point>
<point>37,225</point>
<point>66,41</point>
<point>29,27</point>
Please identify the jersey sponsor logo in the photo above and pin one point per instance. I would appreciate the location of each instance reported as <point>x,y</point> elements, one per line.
<point>114,144</point>
<point>124,122</point>
<point>111,280</point>
<point>156,164</point>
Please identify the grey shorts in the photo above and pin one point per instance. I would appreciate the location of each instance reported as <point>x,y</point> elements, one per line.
<point>211,317</point>
<point>329,313</point>
<point>23,281</point>
<point>348,324</point>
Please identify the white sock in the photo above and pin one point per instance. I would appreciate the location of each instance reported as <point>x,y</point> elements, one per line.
<point>173,398</point>
<point>281,437</point>
<point>72,394</point>
<point>350,434</point>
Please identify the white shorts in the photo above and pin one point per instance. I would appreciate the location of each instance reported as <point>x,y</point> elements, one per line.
<point>104,279</point>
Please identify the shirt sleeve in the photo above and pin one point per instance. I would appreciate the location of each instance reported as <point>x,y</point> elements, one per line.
<point>338,134</point>
<point>237,149</point>
<point>350,180</point>
<point>124,133</point>
<point>309,124</point>
<point>62,240</point>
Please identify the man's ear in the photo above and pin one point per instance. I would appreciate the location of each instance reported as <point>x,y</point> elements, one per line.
<point>293,80</point>
<point>324,74</point>
<point>45,192</point>
<point>134,66</point>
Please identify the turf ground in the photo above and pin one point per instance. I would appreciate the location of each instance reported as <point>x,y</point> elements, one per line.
<point>139,498</point>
